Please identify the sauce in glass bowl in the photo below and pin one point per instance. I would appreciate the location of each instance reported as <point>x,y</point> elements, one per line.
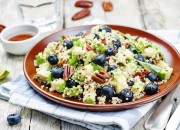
<point>20,37</point>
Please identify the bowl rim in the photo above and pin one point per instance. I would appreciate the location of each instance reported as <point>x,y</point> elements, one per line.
<point>87,106</point>
<point>7,29</point>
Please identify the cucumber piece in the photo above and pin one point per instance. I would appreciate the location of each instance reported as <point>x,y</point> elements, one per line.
<point>88,57</point>
<point>45,75</point>
<point>58,85</point>
<point>72,92</point>
<point>40,59</point>
<point>96,67</point>
<point>72,61</point>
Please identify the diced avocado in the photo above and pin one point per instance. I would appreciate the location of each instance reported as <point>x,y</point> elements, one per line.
<point>89,101</point>
<point>58,85</point>
<point>166,71</point>
<point>44,66</point>
<point>99,47</point>
<point>120,58</point>
<point>120,83</point>
<point>138,86</point>
<point>45,75</point>
<point>150,52</point>
<point>72,92</point>
<point>72,61</point>
<point>129,55</point>
<point>139,45</point>
<point>165,74</point>
<point>96,67</point>
<point>88,57</point>
<point>40,59</point>
<point>81,73</point>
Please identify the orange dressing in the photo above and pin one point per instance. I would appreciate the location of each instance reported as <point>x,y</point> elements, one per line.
<point>20,37</point>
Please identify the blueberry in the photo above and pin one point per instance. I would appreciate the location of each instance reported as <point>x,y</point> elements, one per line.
<point>79,34</point>
<point>118,43</point>
<point>106,28</point>
<point>70,83</point>
<point>57,72</point>
<point>152,77</point>
<point>52,59</point>
<point>96,36</point>
<point>151,88</point>
<point>68,44</point>
<point>139,57</point>
<point>98,92</point>
<point>14,119</point>
<point>111,67</point>
<point>100,60</point>
<point>112,50</point>
<point>130,83</point>
<point>107,91</point>
<point>126,95</point>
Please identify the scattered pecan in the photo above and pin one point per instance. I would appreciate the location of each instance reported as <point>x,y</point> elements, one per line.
<point>81,14</point>
<point>107,6</point>
<point>104,41</point>
<point>142,74</point>
<point>84,3</point>
<point>127,45</point>
<point>88,47</point>
<point>100,77</point>
<point>61,63</point>
<point>68,71</point>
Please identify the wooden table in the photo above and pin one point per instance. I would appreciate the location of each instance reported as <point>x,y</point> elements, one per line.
<point>143,14</point>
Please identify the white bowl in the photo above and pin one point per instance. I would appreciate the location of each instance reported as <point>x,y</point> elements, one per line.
<point>19,47</point>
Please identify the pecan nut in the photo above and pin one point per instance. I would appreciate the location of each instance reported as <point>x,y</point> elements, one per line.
<point>142,74</point>
<point>61,62</point>
<point>88,47</point>
<point>84,3</point>
<point>100,77</point>
<point>107,6</point>
<point>81,14</point>
<point>68,71</point>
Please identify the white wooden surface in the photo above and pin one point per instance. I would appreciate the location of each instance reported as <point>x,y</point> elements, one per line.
<point>143,14</point>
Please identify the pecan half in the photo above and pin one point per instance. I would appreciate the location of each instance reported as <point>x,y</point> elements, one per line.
<point>142,74</point>
<point>107,6</point>
<point>84,3</point>
<point>81,14</point>
<point>100,77</point>
<point>68,71</point>
<point>88,47</point>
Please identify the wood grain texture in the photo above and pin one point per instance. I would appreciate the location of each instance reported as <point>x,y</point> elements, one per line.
<point>144,14</point>
<point>161,14</point>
